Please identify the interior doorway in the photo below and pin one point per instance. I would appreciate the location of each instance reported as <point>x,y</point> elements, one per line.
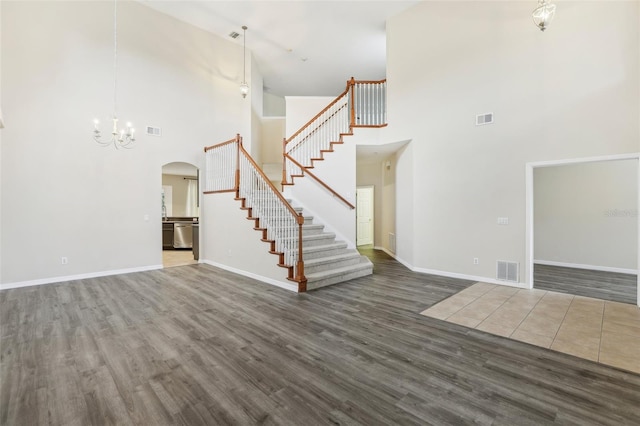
<point>364,215</point>
<point>582,227</point>
<point>180,200</point>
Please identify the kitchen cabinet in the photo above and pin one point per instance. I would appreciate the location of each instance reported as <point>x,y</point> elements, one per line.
<point>167,236</point>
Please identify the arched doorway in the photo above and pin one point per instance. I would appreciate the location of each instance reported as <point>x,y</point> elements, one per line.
<point>180,214</point>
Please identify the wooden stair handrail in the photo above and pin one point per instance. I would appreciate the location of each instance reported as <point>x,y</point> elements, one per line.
<point>335,101</point>
<point>313,131</point>
<point>351,84</point>
<point>317,179</point>
<point>300,278</point>
<point>208,148</point>
<point>299,216</point>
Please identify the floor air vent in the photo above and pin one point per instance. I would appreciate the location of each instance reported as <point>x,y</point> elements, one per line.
<point>507,271</point>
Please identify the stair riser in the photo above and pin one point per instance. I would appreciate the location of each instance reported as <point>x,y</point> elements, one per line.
<point>334,280</point>
<point>325,253</point>
<point>306,231</point>
<point>318,241</point>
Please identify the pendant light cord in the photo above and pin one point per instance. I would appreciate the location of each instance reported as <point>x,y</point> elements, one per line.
<point>115,55</point>
<point>244,54</point>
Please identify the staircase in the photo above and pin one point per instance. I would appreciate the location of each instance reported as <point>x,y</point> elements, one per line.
<point>312,257</point>
<point>326,261</point>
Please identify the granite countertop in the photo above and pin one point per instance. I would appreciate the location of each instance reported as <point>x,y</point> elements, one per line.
<point>172,220</point>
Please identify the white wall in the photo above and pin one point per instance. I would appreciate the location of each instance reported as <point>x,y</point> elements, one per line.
<point>274,105</point>
<point>587,214</point>
<point>338,171</point>
<point>1,132</point>
<point>273,129</point>
<point>234,245</point>
<point>569,92</point>
<point>300,109</point>
<point>62,194</point>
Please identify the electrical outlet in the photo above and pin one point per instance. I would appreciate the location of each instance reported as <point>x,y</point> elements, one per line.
<point>229,253</point>
<point>64,260</point>
<point>146,218</point>
<point>476,261</point>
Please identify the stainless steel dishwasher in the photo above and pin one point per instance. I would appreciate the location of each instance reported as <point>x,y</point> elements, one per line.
<point>182,235</point>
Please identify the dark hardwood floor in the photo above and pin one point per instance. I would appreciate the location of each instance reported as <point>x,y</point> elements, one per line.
<point>584,282</point>
<point>197,345</point>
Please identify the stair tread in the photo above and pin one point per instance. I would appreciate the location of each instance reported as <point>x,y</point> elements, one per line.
<point>322,236</point>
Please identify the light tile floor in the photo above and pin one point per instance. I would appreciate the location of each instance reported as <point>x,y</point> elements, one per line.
<point>177,258</point>
<point>599,330</point>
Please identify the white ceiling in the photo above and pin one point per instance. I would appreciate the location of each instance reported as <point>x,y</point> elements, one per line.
<point>302,48</point>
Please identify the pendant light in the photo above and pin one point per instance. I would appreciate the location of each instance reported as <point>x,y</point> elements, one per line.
<point>543,14</point>
<point>120,138</point>
<point>244,87</point>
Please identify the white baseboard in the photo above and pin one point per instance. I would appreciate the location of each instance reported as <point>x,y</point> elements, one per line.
<point>77,277</point>
<point>591,267</point>
<point>385,250</point>
<point>471,278</point>
<point>454,274</point>
<point>267,280</point>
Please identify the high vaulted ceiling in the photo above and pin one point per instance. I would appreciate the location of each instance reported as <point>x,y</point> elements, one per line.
<point>302,48</point>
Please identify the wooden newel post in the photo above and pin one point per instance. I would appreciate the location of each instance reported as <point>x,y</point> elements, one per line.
<point>352,84</point>
<point>300,278</point>
<point>238,143</point>
<point>284,164</point>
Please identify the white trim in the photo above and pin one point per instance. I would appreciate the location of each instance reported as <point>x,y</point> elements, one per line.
<point>267,280</point>
<point>471,277</point>
<point>589,267</point>
<point>454,274</point>
<point>615,157</point>
<point>529,203</point>
<point>386,251</point>
<point>78,277</point>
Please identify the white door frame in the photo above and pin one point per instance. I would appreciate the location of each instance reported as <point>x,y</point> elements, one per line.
<point>373,212</point>
<point>529,204</point>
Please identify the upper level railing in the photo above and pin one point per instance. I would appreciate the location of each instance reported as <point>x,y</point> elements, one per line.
<point>362,104</point>
<point>368,103</point>
<point>230,168</point>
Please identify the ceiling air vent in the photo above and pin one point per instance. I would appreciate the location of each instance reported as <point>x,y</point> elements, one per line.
<point>507,271</point>
<point>234,35</point>
<point>154,131</point>
<point>483,119</point>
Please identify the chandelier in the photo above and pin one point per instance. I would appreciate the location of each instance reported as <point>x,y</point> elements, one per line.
<point>244,87</point>
<point>120,138</point>
<point>543,14</point>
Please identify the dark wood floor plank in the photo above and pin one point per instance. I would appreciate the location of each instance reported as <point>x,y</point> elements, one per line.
<point>198,345</point>
<point>611,286</point>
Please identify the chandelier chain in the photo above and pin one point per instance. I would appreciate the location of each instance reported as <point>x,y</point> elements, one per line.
<point>120,138</point>
<point>115,57</point>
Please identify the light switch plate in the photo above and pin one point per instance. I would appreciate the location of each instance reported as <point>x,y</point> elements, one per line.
<point>503,221</point>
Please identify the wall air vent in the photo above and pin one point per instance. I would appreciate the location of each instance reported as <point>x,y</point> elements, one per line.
<point>154,131</point>
<point>482,119</point>
<point>234,35</point>
<point>507,271</point>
